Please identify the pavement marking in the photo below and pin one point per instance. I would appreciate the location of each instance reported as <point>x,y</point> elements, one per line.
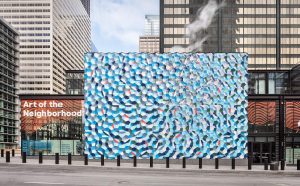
<point>44,183</point>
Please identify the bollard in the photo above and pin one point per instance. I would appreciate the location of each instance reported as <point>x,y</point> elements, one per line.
<point>40,157</point>
<point>56,158</point>
<point>298,164</point>
<point>217,163</point>
<point>134,161</point>
<point>7,156</point>
<point>69,159</point>
<point>282,164</point>
<point>151,161</point>
<point>183,162</point>
<point>86,159</point>
<point>2,153</point>
<point>13,153</point>
<point>200,163</point>
<point>118,160</point>
<point>167,162</point>
<point>233,163</point>
<point>102,160</point>
<point>249,163</point>
<point>23,157</point>
<point>266,166</point>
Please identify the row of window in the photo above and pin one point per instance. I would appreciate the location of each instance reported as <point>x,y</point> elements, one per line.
<point>7,105</point>
<point>35,46</point>
<point>7,48</point>
<point>7,56</point>
<point>34,88</point>
<point>26,16</point>
<point>179,11</point>
<point>23,4</point>
<point>35,52</point>
<point>176,40</point>
<point>30,22</point>
<point>35,82</point>
<point>35,70</point>
<point>35,64</point>
<point>176,21</point>
<point>7,97</point>
<point>8,65</point>
<point>7,31</point>
<point>8,81</point>
<point>8,89</point>
<point>34,58</point>
<point>35,76</point>
<point>25,10</point>
<point>11,42</point>
<point>35,40</point>
<point>33,28</point>
<point>176,1</point>
<point>34,34</point>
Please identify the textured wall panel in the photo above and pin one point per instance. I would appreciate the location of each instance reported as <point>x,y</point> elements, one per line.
<point>166,105</point>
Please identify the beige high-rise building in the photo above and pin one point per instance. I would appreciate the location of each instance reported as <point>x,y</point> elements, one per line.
<point>54,35</point>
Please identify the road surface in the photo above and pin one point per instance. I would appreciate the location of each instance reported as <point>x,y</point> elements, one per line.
<point>35,175</point>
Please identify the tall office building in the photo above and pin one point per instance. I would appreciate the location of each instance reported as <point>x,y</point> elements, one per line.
<point>54,35</point>
<point>87,6</point>
<point>149,42</point>
<point>9,64</point>
<point>268,30</point>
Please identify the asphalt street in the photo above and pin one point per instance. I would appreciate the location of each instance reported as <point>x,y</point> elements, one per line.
<point>34,175</point>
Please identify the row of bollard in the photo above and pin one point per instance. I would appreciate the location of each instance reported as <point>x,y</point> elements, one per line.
<point>233,163</point>
<point>12,153</point>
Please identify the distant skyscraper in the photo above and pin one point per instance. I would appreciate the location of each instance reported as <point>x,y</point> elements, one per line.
<point>87,6</point>
<point>94,48</point>
<point>54,35</point>
<point>149,42</point>
<point>151,25</point>
<point>9,72</point>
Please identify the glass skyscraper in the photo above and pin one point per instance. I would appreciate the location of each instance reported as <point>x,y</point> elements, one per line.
<point>149,41</point>
<point>9,72</point>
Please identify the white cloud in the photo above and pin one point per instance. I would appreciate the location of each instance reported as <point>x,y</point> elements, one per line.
<point>121,21</point>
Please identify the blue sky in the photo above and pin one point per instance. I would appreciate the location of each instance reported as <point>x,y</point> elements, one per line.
<point>117,24</point>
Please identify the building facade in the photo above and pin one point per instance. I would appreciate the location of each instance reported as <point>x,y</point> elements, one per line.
<point>87,6</point>
<point>149,41</point>
<point>75,82</point>
<point>268,30</point>
<point>9,72</point>
<point>54,127</point>
<point>54,35</point>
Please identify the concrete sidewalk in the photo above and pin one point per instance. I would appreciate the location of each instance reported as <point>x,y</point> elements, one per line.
<point>142,166</point>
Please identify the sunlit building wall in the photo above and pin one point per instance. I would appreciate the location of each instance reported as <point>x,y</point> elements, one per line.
<point>54,35</point>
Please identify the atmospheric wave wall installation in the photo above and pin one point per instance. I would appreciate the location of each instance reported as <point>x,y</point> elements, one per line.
<point>172,105</point>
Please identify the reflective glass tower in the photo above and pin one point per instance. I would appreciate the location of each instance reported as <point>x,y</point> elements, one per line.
<point>149,41</point>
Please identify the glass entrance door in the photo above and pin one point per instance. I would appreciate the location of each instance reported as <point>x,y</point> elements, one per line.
<point>263,150</point>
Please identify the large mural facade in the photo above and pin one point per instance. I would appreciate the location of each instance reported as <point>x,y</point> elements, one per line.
<point>172,105</point>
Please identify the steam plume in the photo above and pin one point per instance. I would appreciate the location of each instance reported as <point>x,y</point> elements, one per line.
<point>204,18</point>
